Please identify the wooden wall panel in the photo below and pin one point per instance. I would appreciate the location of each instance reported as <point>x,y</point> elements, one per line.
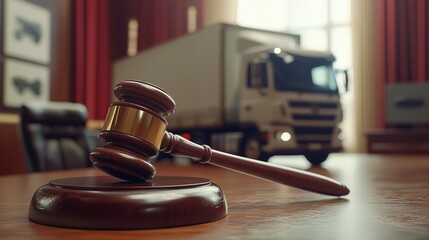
<point>11,156</point>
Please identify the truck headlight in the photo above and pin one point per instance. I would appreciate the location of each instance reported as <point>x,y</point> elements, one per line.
<point>283,136</point>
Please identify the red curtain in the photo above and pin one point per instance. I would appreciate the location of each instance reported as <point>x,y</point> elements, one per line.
<point>159,21</point>
<point>92,56</point>
<point>403,27</point>
<point>162,20</point>
<point>101,37</point>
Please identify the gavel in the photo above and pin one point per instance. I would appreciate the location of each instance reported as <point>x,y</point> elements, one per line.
<point>135,130</point>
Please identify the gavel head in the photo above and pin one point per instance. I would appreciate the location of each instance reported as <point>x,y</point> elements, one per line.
<point>133,131</point>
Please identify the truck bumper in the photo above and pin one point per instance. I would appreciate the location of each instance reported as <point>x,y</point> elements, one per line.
<point>277,145</point>
<point>303,151</point>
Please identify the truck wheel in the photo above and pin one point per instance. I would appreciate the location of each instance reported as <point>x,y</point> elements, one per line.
<point>316,158</point>
<point>252,147</point>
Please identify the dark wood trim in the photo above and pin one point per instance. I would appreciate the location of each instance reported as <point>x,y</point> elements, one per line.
<point>398,141</point>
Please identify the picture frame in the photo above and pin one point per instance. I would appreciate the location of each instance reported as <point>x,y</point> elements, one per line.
<point>24,82</point>
<point>27,31</point>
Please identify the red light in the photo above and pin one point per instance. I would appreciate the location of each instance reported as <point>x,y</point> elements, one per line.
<point>186,136</point>
<point>266,135</point>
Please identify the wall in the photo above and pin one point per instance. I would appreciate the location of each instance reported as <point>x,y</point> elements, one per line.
<point>11,157</point>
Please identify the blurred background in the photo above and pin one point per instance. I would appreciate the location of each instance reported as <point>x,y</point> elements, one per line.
<point>66,50</point>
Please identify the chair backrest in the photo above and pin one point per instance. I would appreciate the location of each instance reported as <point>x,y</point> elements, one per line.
<point>54,135</point>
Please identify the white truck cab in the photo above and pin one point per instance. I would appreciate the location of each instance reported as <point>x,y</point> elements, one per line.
<point>290,100</point>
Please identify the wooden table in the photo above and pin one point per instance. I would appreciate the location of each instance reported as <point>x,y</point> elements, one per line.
<point>389,200</point>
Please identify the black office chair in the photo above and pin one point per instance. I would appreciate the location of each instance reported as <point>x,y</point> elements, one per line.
<point>54,136</point>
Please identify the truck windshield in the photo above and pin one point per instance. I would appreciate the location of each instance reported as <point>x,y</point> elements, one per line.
<point>304,74</point>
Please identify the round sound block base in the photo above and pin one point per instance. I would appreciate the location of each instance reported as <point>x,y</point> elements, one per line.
<point>104,202</point>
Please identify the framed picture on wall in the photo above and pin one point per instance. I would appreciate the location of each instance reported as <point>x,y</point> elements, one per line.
<point>27,31</point>
<point>23,82</point>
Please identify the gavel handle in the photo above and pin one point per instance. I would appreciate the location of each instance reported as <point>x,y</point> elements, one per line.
<point>178,146</point>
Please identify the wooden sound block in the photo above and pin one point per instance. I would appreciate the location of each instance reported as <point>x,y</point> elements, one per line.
<point>104,202</point>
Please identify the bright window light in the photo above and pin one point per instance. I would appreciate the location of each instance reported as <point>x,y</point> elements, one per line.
<point>133,31</point>
<point>262,14</point>
<point>192,19</point>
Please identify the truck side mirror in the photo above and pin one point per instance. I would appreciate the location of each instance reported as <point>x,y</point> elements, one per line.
<point>345,76</point>
<point>346,80</point>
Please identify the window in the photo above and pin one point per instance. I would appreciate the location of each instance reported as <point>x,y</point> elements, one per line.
<point>322,77</point>
<point>323,25</point>
<point>303,74</point>
<point>257,75</point>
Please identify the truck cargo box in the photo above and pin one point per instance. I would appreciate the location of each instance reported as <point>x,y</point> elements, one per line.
<point>200,71</point>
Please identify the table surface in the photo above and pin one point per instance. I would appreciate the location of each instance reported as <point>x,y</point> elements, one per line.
<point>388,200</point>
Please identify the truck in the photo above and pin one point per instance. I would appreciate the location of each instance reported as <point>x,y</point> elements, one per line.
<point>245,91</point>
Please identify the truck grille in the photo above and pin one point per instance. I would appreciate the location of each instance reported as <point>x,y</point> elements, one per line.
<point>314,117</point>
<point>314,121</point>
<point>305,135</point>
<point>313,111</point>
<point>313,104</point>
